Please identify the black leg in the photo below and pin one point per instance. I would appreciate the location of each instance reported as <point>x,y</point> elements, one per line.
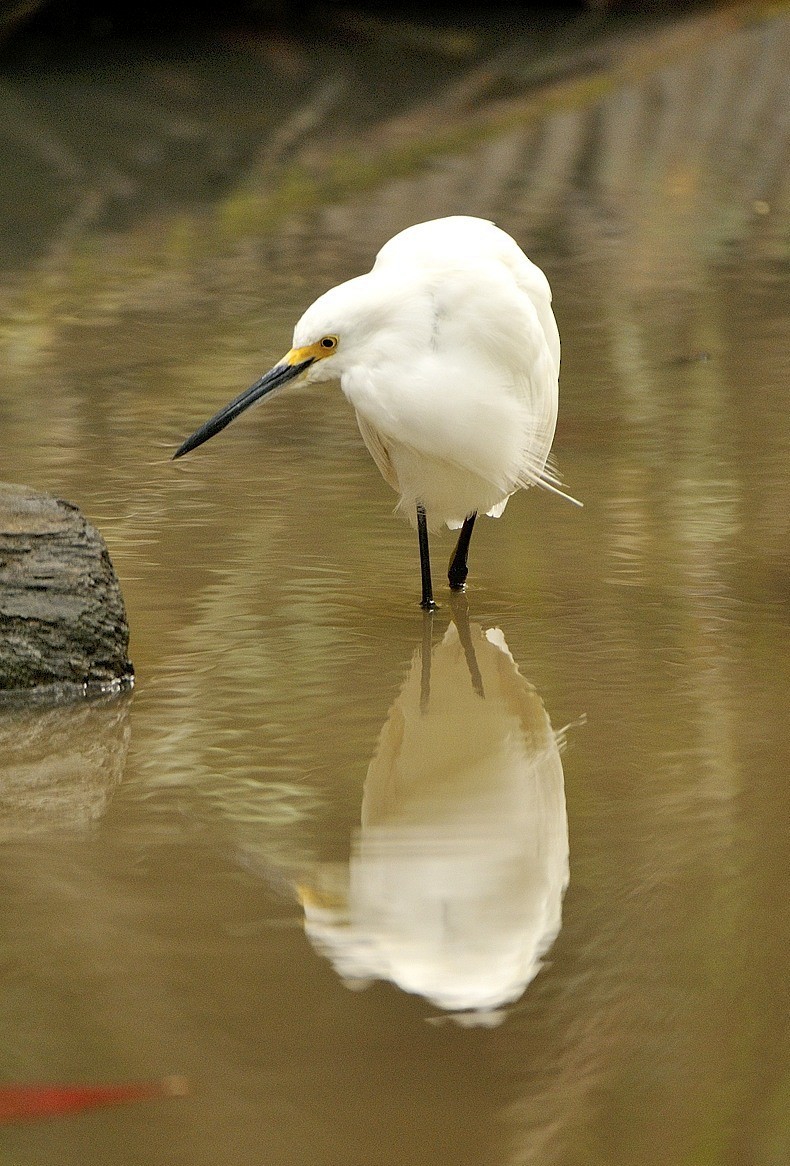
<point>458,569</point>
<point>426,602</point>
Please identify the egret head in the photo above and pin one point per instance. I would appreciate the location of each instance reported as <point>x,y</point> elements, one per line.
<point>338,329</point>
<point>357,323</point>
<point>326,332</point>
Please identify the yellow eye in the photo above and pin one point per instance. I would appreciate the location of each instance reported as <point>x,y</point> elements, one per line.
<point>328,343</point>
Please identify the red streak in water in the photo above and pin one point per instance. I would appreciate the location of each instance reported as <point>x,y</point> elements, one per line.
<point>30,1102</point>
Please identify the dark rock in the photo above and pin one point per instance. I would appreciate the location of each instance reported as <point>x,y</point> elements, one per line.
<point>62,616</point>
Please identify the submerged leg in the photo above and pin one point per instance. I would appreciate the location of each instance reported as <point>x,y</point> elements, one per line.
<point>426,602</point>
<point>425,669</point>
<point>460,610</point>
<point>458,570</point>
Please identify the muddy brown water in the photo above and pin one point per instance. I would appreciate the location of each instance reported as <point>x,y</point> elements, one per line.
<point>307,864</point>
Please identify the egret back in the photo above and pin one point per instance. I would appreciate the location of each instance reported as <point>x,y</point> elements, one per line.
<point>462,237</point>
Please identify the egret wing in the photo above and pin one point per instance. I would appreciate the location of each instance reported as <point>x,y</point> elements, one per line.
<point>460,240</point>
<point>378,451</point>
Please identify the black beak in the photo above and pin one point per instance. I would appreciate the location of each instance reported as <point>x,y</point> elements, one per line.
<point>274,379</point>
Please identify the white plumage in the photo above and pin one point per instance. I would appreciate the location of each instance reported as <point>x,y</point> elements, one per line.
<point>449,353</point>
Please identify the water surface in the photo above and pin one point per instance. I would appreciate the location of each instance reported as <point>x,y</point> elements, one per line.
<point>317,863</point>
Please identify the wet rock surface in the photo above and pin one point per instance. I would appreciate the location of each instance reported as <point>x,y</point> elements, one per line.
<point>62,616</point>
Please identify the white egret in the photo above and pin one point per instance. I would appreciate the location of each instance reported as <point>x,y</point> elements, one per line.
<point>449,353</point>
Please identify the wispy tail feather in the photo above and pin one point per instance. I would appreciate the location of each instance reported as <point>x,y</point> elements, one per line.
<point>560,493</point>
<point>548,478</point>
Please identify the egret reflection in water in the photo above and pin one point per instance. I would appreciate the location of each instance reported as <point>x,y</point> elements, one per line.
<point>456,878</point>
